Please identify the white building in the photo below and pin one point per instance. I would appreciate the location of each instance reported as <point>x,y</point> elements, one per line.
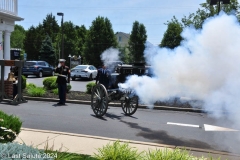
<point>8,16</point>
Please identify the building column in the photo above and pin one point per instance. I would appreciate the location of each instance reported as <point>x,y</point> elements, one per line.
<point>7,35</point>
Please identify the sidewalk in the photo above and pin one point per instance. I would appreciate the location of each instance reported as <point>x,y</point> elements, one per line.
<point>85,144</point>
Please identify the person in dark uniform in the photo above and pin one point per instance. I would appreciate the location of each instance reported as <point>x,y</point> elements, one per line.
<point>62,80</point>
<point>104,77</point>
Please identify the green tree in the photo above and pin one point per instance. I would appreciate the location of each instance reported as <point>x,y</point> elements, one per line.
<point>70,40</point>
<point>172,37</point>
<point>206,11</point>
<point>124,54</point>
<point>32,42</point>
<point>47,51</point>
<point>81,34</point>
<point>137,42</point>
<point>17,37</point>
<point>50,27</point>
<point>99,38</point>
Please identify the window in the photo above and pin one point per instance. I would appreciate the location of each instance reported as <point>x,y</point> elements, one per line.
<point>80,67</point>
<point>119,39</point>
<point>30,63</point>
<point>41,63</point>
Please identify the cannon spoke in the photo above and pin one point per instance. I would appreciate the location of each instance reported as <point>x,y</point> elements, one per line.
<point>130,105</point>
<point>99,100</point>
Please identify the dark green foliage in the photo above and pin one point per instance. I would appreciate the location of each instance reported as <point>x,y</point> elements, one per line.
<point>99,38</point>
<point>48,81</point>
<point>89,87</point>
<point>70,40</point>
<point>9,122</point>
<point>137,42</point>
<point>32,42</point>
<point>172,37</point>
<point>47,51</point>
<point>51,26</point>
<point>24,82</point>
<point>36,35</point>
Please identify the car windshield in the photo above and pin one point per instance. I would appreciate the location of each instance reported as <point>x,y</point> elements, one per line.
<point>80,67</point>
<point>30,63</point>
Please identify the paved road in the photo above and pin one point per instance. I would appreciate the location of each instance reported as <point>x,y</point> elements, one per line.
<point>145,125</point>
<point>78,85</point>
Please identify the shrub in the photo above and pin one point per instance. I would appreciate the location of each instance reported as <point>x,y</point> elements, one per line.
<point>175,154</point>
<point>89,87</point>
<point>36,92</point>
<point>31,85</point>
<point>24,82</point>
<point>55,91</point>
<point>9,127</point>
<point>118,151</point>
<point>25,152</point>
<point>48,81</point>
<point>69,87</point>
<point>53,85</point>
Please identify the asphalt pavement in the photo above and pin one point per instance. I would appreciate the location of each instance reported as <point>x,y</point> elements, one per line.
<point>198,130</point>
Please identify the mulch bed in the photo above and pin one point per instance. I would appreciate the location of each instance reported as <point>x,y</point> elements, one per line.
<point>72,95</point>
<point>78,95</point>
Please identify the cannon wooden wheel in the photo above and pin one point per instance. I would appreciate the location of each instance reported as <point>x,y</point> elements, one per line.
<point>99,100</point>
<point>130,105</point>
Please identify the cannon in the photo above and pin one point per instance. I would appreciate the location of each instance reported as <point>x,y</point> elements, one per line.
<point>101,97</point>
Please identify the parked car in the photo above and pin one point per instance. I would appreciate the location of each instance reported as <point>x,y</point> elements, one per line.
<point>38,68</point>
<point>84,71</point>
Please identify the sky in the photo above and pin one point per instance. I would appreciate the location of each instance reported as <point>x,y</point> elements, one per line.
<point>152,13</point>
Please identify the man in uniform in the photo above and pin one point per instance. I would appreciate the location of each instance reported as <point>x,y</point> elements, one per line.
<point>62,80</point>
<point>104,77</point>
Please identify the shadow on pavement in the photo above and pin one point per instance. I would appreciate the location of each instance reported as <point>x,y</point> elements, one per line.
<point>163,138</point>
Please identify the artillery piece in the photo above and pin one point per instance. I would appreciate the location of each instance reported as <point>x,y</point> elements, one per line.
<point>101,96</point>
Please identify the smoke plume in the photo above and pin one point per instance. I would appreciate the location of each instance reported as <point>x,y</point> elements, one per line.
<point>109,57</point>
<point>205,67</point>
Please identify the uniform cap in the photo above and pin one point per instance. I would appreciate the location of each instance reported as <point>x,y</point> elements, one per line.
<point>62,60</point>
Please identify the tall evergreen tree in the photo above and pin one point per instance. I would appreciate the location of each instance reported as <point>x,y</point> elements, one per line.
<point>81,34</point>
<point>32,42</point>
<point>47,51</point>
<point>50,27</point>
<point>99,38</point>
<point>137,42</point>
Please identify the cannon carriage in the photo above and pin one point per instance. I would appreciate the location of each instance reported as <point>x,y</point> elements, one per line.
<point>102,96</point>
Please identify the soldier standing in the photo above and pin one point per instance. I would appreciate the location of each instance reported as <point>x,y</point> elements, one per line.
<point>62,80</point>
<point>104,77</point>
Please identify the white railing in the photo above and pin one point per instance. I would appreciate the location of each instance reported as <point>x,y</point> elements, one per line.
<point>9,7</point>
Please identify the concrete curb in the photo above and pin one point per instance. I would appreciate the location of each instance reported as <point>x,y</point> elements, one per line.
<point>134,142</point>
<point>118,105</point>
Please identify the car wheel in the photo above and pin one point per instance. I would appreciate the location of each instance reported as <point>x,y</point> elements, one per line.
<point>73,78</point>
<point>40,74</point>
<point>53,73</point>
<point>90,77</point>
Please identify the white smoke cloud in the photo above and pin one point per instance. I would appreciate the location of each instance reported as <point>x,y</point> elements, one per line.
<point>110,56</point>
<point>205,67</point>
